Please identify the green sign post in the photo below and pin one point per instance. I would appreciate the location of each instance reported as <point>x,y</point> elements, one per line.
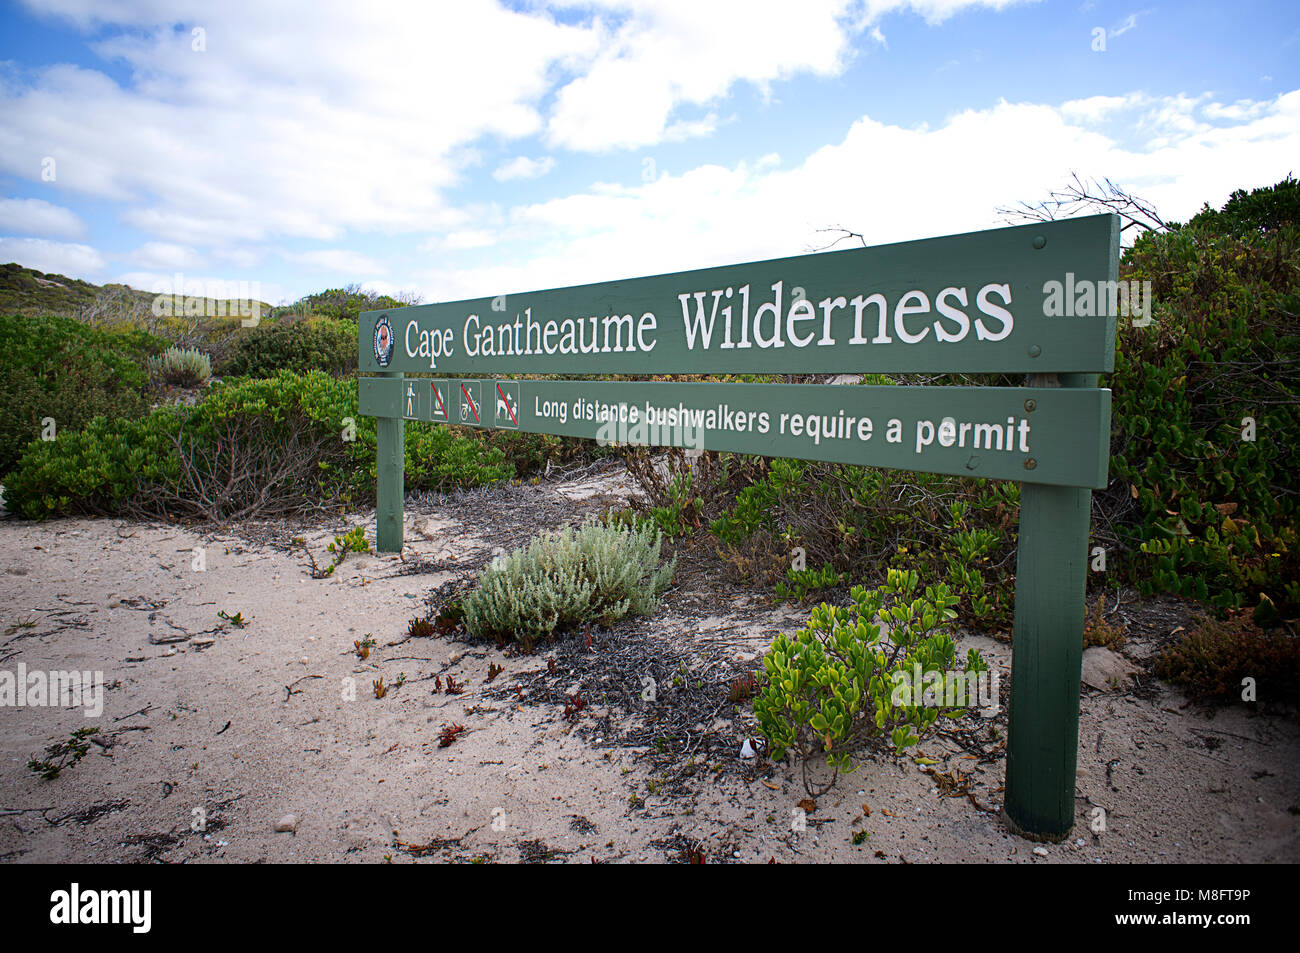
<point>1037,299</point>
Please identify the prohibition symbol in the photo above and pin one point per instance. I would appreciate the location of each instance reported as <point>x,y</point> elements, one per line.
<point>507,404</point>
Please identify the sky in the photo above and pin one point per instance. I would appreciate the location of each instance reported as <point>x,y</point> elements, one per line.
<point>472,148</point>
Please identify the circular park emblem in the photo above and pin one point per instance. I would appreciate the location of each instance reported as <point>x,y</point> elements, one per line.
<point>383,341</point>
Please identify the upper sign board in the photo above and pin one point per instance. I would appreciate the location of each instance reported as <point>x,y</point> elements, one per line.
<point>1038,298</point>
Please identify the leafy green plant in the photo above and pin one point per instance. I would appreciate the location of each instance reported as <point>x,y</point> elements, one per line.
<point>1206,414</point>
<point>314,344</point>
<point>834,686</point>
<point>346,303</point>
<point>59,370</point>
<point>804,582</point>
<point>598,573</point>
<point>249,447</point>
<point>681,511</point>
<point>63,754</point>
<point>1268,209</point>
<point>353,541</point>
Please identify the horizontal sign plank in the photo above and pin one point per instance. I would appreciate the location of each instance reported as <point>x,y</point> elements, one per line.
<point>1034,435</point>
<point>1035,298</point>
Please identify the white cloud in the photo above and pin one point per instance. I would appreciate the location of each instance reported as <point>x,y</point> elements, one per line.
<point>38,217</point>
<point>296,124</point>
<point>354,266</point>
<point>223,287</point>
<point>362,120</point>
<point>1096,108</point>
<point>522,167</point>
<point>933,11</point>
<point>665,54</point>
<point>153,255</point>
<point>464,238</point>
<point>289,125</point>
<point>1241,109</point>
<point>888,182</point>
<point>1130,22</point>
<point>62,258</point>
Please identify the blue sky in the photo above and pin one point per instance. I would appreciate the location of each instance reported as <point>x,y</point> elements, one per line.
<point>477,148</point>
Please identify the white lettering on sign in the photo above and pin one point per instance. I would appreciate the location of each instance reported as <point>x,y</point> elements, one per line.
<point>610,334</point>
<point>701,311</point>
<point>734,318</point>
<point>431,344</point>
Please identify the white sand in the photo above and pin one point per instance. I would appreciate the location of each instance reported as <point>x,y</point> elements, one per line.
<point>361,774</point>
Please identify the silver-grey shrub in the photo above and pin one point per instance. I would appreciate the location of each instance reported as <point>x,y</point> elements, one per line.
<point>184,367</point>
<point>598,573</point>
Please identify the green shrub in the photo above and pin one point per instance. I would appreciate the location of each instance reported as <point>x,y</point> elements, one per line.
<point>347,303</point>
<point>528,453</point>
<point>837,685</point>
<point>58,368</point>
<point>799,584</point>
<point>1200,509</point>
<point>1269,209</point>
<point>680,512</point>
<point>181,367</point>
<point>1213,659</point>
<point>250,447</point>
<point>94,471</point>
<point>301,346</point>
<point>861,521</point>
<point>28,291</point>
<point>599,573</point>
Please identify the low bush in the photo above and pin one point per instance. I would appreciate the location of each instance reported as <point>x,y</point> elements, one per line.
<point>58,368</point>
<point>1207,411</point>
<point>97,470</point>
<point>347,303</point>
<point>181,367</point>
<point>599,573</point>
<point>251,447</point>
<point>1213,661</point>
<point>860,521</point>
<point>301,346</point>
<point>843,682</point>
<point>529,453</point>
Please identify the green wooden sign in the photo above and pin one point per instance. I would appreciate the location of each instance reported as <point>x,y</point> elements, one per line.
<point>1039,299</point>
<point>981,302</point>
<point>1051,436</point>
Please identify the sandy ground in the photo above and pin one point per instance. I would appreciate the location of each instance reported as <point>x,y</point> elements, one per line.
<point>206,742</point>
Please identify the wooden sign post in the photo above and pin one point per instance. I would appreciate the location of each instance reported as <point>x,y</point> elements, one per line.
<point>1036,299</point>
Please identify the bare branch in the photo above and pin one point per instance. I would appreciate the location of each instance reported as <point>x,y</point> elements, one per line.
<point>844,235</point>
<point>1082,196</point>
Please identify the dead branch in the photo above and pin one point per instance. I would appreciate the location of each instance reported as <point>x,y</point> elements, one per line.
<point>1089,195</point>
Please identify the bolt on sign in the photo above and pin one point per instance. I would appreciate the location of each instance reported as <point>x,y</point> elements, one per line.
<point>977,303</point>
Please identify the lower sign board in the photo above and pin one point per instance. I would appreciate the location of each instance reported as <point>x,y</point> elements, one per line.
<point>1042,435</point>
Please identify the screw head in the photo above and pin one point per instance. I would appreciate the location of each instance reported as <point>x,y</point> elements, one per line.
<point>1040,241</point>
<point>1030,405</point>
<point>1035,350</point>
<point>1031,463</point>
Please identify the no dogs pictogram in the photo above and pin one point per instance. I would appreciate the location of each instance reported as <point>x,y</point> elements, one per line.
<point>507,404</point>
